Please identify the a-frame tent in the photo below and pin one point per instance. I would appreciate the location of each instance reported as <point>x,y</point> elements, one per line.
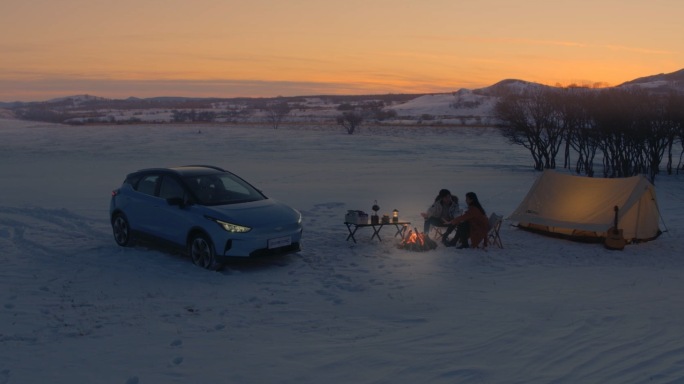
<point>582,208</point>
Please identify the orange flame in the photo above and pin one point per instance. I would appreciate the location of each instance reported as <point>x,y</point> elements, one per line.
<point>417,241</point>
<point>414,238</point>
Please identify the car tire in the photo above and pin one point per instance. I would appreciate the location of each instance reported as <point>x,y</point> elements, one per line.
<point>122,231</point>
<point>202,252</point>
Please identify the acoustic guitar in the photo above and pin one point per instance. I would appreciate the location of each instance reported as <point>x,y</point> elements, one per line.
<point>614,238</point>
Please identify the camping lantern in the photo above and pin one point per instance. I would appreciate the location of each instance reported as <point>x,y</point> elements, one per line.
<point>374,218</point>
<point>395,216</point>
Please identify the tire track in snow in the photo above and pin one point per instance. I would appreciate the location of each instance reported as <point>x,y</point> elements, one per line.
<point>46,251</point>
<point>39,231</point>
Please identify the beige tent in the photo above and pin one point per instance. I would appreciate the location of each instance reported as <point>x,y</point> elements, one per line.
<point>583,207</point>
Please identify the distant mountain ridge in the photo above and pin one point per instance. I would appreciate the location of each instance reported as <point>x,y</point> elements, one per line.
<point>675,77</point>
<point>462,107</point>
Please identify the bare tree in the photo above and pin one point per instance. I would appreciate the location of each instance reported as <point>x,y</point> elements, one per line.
<point>633,129</point>
<point>580,135</point>
<point>615,118</point>
<point>276,112</point>
<point>532,119</point>
<point>674,111</point>
<point>659,131</point>
<point>350,121</point>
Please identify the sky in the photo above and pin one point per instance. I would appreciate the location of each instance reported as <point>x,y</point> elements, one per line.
<point>268,48</point>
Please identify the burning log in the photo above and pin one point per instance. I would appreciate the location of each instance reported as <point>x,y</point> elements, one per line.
<point>417,241</point>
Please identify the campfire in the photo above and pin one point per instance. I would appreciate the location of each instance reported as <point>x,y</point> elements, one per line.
<point>417,241</point>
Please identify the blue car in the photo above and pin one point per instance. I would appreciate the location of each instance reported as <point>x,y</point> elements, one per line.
<point>211,213</point>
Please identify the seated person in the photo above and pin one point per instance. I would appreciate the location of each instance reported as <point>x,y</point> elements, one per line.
<point>442,210</point>
<point>472,225</point>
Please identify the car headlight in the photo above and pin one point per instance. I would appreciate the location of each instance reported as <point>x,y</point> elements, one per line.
<point>299,217</point>
<point>233,228</point>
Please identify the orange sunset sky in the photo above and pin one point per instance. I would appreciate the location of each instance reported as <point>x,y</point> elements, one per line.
<point>254,48</point>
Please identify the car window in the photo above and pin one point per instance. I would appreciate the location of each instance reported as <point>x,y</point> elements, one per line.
<point>171,188</point>
<point>236,187</point>
<point>224,188</point>
<point>148,184</point>
<point>132,180</point>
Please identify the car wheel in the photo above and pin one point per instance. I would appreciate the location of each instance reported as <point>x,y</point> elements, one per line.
<point>202,252</point>
<point>122,231</point>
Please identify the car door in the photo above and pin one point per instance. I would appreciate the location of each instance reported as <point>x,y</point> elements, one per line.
<point>143,203</point>
<point>172,219</point>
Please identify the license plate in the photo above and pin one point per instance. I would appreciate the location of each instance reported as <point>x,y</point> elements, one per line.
<point>279,242</point>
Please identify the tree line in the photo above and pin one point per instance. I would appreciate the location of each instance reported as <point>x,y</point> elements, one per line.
<point>632,129</point>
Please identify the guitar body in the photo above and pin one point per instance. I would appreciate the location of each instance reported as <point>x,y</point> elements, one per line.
<point>614,238</point>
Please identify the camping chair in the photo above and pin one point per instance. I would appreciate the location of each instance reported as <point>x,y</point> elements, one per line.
<point>493,236</point>
<point>438,231</point>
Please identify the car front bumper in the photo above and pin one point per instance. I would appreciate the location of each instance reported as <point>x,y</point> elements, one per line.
<point>258,244</point>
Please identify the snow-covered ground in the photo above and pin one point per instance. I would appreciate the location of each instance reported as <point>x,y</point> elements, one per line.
<point>463,107</point>
<point>76,308</point>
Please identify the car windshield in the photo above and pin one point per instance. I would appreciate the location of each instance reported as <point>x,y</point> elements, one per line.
<point>221,189</point>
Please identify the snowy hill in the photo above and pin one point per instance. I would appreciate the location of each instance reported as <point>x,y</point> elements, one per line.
<point>659,83</point>
<point>675,78</point>
<point>464,107</point>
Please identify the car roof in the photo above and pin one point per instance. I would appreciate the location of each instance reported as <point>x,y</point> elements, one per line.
<point>186,170</point>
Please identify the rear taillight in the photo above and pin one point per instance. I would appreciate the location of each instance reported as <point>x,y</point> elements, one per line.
<point>115,192</point>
